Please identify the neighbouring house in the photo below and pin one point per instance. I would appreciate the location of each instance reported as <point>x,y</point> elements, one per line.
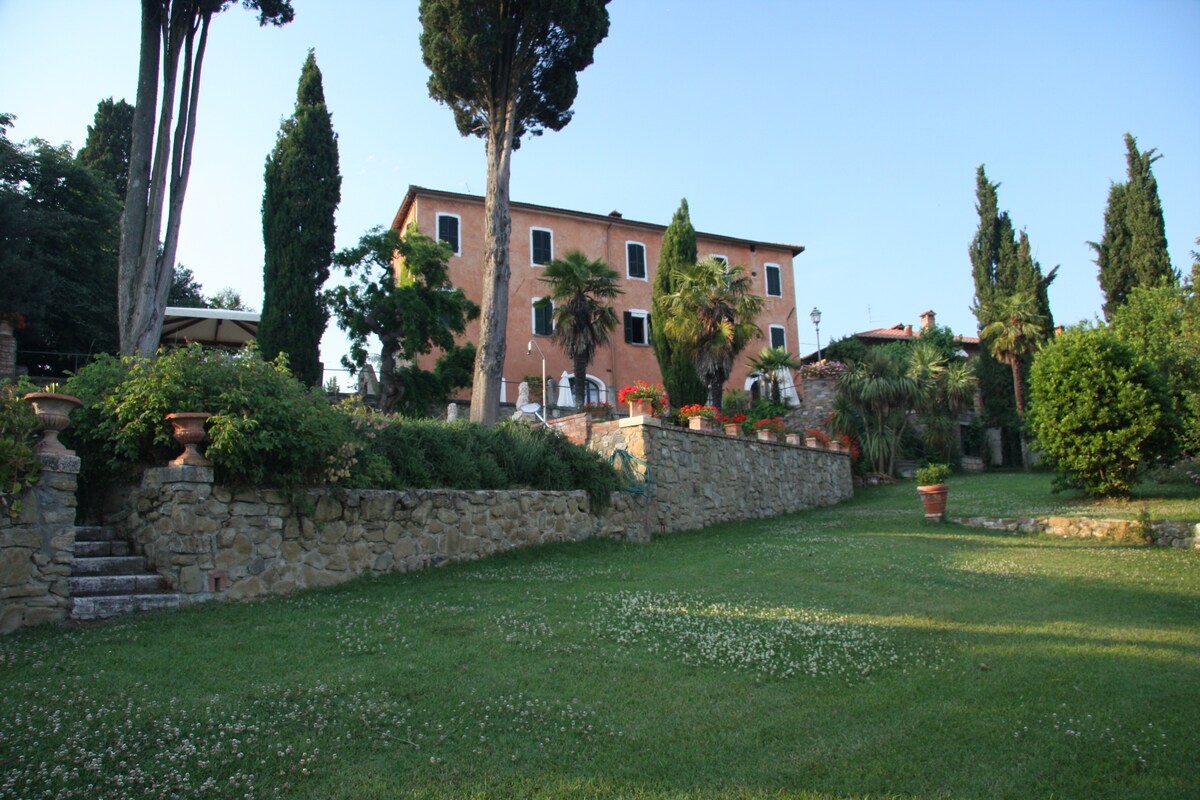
<point>902,332</point>
<point>542,233</point>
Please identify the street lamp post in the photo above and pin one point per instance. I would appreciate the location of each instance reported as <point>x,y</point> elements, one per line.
<point>529,351</point>
<point>815,316</point>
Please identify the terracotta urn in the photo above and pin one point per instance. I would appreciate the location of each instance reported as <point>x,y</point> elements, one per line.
<point>933,498</point>
<point>188,429</point>
<point>733,429</point>
<point>641,408</point>
<point>700,423</point>
<point>53,412</point>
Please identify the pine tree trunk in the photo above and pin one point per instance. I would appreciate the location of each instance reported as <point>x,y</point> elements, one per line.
<point>493,314</point>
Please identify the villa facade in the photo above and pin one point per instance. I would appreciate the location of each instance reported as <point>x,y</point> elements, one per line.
<point>542,233</point>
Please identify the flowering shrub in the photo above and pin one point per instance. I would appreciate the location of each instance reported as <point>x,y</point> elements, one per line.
<point>849,444</point>
<point>823,369</point>
<point>733,419</point>
<point>14,318</point>
<point>819,435</point>
<point>597,408</point>
<point>698,411</point>
<point>774,425</point>
<point>640,390</point>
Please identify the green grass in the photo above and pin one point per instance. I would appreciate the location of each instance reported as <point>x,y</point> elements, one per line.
<point>1019,494</point>
<point>848,652</point>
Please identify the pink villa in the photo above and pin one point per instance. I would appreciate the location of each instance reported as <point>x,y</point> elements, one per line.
<point>542,233</point>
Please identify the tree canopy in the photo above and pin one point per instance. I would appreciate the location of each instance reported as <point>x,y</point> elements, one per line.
<point>581,291</point>
<point>402,294</point>
<point>674,362</point>
<point>712,315</point>
<point>1133,249</point>
<point>106,151</point>
<point>58,249</point>
<point>301,194</point>
<point>505,69</point>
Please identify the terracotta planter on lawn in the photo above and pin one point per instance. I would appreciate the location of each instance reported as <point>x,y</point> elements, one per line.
<point>934,499</point>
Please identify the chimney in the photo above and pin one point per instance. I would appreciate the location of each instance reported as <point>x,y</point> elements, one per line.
<point>908,330</point>
<point>928,320</point>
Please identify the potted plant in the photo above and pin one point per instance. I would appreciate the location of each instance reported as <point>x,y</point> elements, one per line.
<point>597,410</point>
<point>53,412</point>
<point>932,487</point>
<point>734,424</point>
<point>770,429</point>
<point>644,399</point>
<point>698,417</point>
<point>815,437</point>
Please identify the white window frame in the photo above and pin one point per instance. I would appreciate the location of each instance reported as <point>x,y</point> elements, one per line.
<point>542,230</point>
<point>533,311</point>
<point>645,317</point>
<point>767,279</point>
<point>722,258</point>
<point>645,261</point>
<point>437,231</point>
<point>771,338</point>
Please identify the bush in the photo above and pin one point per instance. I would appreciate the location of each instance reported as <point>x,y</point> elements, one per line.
<point>1096,410</point>
<point>267,428</point>
<point>933,474</point>
<point>19,469</point>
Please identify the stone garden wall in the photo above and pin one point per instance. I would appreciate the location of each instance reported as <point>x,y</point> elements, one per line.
<point>703,478</point>
<point>1164,533</point>
<point>37,548</point>
<point>211,541</point>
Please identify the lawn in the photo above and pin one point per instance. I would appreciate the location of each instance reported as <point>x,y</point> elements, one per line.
<point>848,652</point>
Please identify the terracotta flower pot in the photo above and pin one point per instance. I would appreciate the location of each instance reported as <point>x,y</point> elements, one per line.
<point>641,408</point>
<point>733,429</point>
<point>793,438</point>
<point>700,423</point>
<point>934,499</point>
<point>811,441</point>
<point>53,412</point>
<point>188,429</point>
<point>766,436</point>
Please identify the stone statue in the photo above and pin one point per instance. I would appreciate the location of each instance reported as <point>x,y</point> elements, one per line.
<point>522,401</point>
<point>452,412</point>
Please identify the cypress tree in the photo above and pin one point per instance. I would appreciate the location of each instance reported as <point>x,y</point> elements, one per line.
<point>106,150</point>
<point>1133,250</point>
<point>678,368</point>
<point>303,188</point>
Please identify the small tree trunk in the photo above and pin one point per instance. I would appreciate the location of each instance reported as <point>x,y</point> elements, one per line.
<point>493,314</point>
<point>580,388</point>
<point>1019,397</point>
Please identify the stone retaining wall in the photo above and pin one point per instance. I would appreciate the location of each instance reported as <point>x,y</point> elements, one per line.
<point>703,478</point>
<point>37,548</point>
<point>1166,533</point>
<point>211,541</point>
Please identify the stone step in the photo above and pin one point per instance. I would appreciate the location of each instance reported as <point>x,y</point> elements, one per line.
<point>103,606</point>
<point>109,565</point>
<point>91,585</point>
<point>96,533</point>
<point>95,549</point>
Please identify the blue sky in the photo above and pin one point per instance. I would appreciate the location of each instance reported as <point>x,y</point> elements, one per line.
<point>853,129</point>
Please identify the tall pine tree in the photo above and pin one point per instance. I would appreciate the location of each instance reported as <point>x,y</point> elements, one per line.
<point>302,192</point>
<point>677,366</point>
<point>1003,266</point>
<point>1133,250</point>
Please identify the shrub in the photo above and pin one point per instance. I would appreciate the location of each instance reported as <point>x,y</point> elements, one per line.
<point>19,469</point>
<point>933,474</point>
<point>1096,410</point>
<point>267,428</point>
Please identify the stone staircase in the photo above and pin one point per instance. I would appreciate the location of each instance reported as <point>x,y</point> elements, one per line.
<point>107,579</point>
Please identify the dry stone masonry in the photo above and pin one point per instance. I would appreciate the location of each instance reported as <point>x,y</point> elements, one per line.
<point>1163,533</point>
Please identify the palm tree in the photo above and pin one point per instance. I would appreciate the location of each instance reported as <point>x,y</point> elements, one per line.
<point>877,398</point>
<point>1017,331</point>
<point>583,318</point>
<point>769,364</point>
<point>711,313</point>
